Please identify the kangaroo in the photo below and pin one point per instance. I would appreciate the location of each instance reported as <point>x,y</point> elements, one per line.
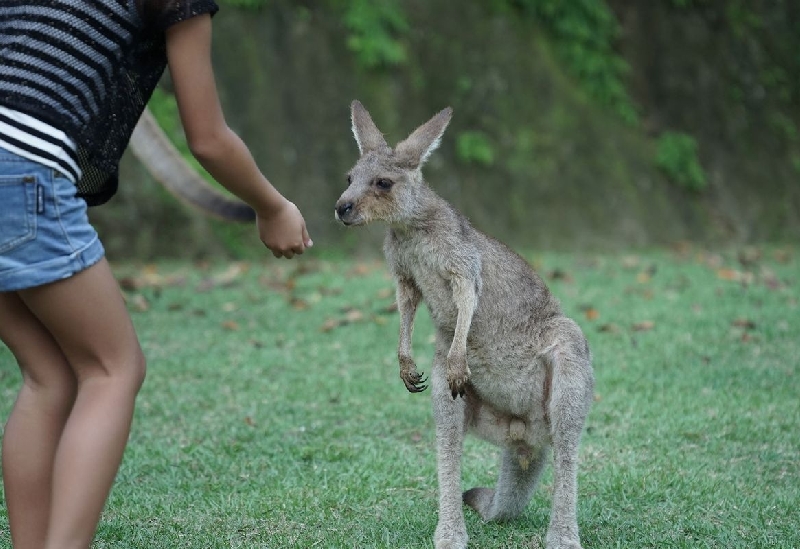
<point>508,365</point>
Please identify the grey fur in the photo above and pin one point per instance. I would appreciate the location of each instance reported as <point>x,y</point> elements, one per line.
<point>508,366</point>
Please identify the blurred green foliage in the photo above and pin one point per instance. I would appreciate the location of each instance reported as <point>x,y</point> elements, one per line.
<point>583,33</point>
<point>251,4</point>
<point>475,147</point>
<point>577,107</point>
<point>684,3</point>
<point>164,107</point>
<point>676,155</point>
<point>375,30</point>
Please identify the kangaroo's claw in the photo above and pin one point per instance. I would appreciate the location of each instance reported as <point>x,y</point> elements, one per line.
<point>458,390</point>
<point>416,387</point>
<point>414,381</point>
<point>458,374</point>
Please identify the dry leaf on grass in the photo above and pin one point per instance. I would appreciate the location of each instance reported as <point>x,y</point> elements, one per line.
<point>277,284</point>
<point>299,304</point>
<point>385,293</point>
<point>231,325</point>
<point>350,316</point>
<point>150,279</point>
<point>746,337</point>
<point>138,303</point>
<point>630,262</point>
<point>782,256</point>
<point>354,315</point>
<point>749,256</point>
<point>330,324</point>
<point>591,313</point>
<point>609,328</point>
<point>226,278</point>
<point>681,248</point>
<point>745,323</point>
<point>559,274</point>
<point>643,326</point>
<point>770,279</point>
<point>714,261</point>
<point>735,276</point>
<point>361,269</point>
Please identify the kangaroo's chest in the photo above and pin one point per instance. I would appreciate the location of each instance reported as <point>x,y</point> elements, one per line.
<point>429,274</point>
<point>437,294</point>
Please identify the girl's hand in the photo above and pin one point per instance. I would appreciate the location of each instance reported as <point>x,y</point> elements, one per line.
<point>283,230</point>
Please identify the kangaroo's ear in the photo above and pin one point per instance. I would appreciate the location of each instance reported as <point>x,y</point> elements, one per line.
<point>417,147</point>
<point>367,134</point>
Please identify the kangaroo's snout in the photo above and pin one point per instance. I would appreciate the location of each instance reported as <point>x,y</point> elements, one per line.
<point>344,211</point>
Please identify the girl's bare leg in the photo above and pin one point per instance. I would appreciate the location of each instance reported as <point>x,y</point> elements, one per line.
<point>87,318</point>
<point>34,428</point>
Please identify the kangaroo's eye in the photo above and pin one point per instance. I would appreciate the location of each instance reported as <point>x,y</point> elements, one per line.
<point>384,184</point>
<point>349,179</point>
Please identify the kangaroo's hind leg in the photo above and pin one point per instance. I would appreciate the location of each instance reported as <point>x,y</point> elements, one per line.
<point>448,414</point>
<point>520,469</point>
<point>570,400</point>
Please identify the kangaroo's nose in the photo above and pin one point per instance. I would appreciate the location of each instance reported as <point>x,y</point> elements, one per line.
<point>344,209</point>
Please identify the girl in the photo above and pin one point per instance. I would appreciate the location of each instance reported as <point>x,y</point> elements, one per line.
<point>75,75</point>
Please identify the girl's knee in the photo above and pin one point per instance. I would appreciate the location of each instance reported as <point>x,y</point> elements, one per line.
<point>134,370</point>
<point>125,371</point>
<point>139,369</point>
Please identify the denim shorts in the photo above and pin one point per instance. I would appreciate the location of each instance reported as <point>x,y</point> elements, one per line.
<point>45,233</point>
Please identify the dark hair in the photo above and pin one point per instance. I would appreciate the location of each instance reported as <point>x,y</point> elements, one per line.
<point>150,10</point>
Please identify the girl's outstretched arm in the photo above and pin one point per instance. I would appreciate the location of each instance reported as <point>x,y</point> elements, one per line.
<point>218,149</point>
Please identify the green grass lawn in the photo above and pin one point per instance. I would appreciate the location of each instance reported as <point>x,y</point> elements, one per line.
<point>273,414</point>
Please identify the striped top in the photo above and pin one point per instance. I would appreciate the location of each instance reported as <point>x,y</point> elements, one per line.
<point>40,142</point>
<point>75,75</point>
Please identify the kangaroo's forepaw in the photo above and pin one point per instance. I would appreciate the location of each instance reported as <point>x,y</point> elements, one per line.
<point>413,380</point>
<point>458,374</point>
